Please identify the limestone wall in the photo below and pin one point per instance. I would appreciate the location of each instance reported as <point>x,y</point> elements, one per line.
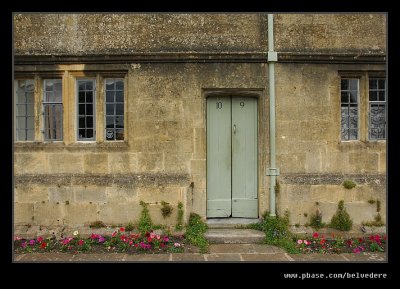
<point>163,156</point>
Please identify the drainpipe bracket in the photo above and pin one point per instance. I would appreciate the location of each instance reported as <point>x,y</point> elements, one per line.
<point>272,172</point>
<point>272,56</point>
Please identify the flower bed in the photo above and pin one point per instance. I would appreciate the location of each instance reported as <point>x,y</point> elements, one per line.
<point>119,241</point>
<point>319,243</point>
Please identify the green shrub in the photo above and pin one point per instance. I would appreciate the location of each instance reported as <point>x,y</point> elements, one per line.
<point>145,224</point>
<point>276,231</point>
<point>378,205</point>
<point>195,232</point>
<point>166,209</point>
<point>179,222</point>
<point>130,227</point>
<point>97,224</point>
<point>316,220</point>
<point>349,184</point>
<point>341,220</point>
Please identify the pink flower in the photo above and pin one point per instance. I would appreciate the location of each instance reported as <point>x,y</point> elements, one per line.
<point>165,239</point>
<point>81,242</point>
<point>149,239</point>
<point>299,241</point>
<point>177,245</point>
<point>32,242</point>
<point>101,239</point>
<point>23,244</point>
<point>16,238</point>
<point>306,242</point>
<point>356,250</point>
<point>40,239</point>
<point>152,235</point>
<point>158,237</point>
<point>315,235</point>
<point>94,236</point>
<point>66,241</point>
<point>114,234</point>
<point>130,243</point>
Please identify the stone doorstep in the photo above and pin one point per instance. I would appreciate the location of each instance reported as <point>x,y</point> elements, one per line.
<point>234,236</point>
<point>230,223</point>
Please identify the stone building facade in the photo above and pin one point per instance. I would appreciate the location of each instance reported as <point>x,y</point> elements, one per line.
<point>114,109</point>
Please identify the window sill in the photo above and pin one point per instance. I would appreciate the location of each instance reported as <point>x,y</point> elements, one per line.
<point>60,145</point>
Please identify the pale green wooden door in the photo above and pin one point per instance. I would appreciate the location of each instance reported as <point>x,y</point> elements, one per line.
<point>244,157</point>
<point>219,161</point>
<point>232,157</point>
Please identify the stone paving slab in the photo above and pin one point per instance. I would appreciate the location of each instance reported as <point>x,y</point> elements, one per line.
<point>187,257</point>
<point>112,257</point>
<point>244,248</point>
<point>365,256</point>
<point>265,257</point>
<point>148,258</point>
<point>223,257</point>
<point>44,257</point>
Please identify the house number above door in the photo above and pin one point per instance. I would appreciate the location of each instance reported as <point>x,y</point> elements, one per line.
<point>242,103</point>
<point>219,105</point>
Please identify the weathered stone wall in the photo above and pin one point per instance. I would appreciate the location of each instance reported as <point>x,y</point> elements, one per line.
<point>164,155</point>
<point>308,143</point>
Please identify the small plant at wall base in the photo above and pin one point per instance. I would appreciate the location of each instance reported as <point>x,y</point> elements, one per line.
<point>97,224</point>
<point>341,220</point>
<point>179,223</point>
<point>145,224</point>
<point>349,184</point>
<point>130,227</point>
<point>166,209</point>
<point>377,219</point>
<point>195,232</point>
<point>316,220</point>
<point>276,231</point>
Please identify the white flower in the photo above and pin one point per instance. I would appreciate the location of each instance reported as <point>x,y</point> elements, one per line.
<point>177,245</point>
<point>76,233</point>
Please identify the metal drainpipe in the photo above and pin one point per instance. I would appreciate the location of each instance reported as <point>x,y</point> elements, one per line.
<point>272,58</point>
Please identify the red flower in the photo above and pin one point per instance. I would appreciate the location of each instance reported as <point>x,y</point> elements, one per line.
<point>147,234</point>
<point>315,235</point>
<point>43,245</point>
<point>114,234</point>
<point>322,241</point>
<point>94,236</point>
<point>360,240</point>
<point>136,245</point>
<point>333,236</point>
<point>122,229</point>
<point>149,239</point>
<point>81,242</point>
<point>384,237</point>
<point>39,239</point>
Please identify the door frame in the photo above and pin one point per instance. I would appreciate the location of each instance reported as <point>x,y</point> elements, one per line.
<point>262,136</point>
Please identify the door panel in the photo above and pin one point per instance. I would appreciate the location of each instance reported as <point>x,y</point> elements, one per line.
<point>232,157</point>
<point>244,157</point>
<point>219,161</point>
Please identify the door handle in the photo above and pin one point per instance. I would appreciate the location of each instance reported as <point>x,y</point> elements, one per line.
<point>234,129</point>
